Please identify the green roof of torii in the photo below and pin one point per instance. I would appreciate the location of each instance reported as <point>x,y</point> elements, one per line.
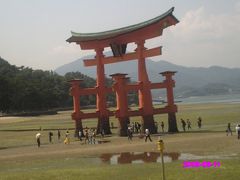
<point>80,37</point>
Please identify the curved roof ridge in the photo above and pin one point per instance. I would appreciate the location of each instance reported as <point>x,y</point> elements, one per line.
<point>119,31</point>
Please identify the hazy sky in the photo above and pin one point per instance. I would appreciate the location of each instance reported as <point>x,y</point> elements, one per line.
<point>33,32</point>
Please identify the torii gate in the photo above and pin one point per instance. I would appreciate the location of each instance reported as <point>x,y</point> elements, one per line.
<point>117,40</point>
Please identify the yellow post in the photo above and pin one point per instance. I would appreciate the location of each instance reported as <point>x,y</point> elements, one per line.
<point>161,148</point>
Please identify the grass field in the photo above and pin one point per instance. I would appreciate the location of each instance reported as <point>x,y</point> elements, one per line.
<point>21,159</point>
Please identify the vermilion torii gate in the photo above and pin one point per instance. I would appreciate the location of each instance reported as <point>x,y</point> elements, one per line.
<point>117,40</point>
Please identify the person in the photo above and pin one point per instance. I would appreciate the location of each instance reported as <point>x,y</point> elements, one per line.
<point>147,135</point>
<point>162,125</point>
<point>189,124</point>
<point>136,127</point>
<point>38,135</point>
<point>59,135</point>
<point>90,134</point>
<point>156,126</point>
<point>238,131</point>
<point>112,125</point>
<point>67,140</point>
<point>139,127</point>
<point>102,133</point>
<point>94,136</point>
<point>229,130</point>
<point>199,122</point>
<point>133,129</point>
<point>183,125</point>
<point>129,133</point>
<point>80,135</point>
<point>50,134</point>
<point>86,136</point>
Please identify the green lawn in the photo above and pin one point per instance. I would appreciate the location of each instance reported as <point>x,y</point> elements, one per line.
<point>79,170</point>
<point>58,161</point>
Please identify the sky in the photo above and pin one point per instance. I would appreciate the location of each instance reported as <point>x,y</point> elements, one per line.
<point>33,33</point>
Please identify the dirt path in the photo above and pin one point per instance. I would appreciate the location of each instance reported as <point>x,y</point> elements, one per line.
<point>195,143</point>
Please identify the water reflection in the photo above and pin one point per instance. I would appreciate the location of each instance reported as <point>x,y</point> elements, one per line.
<point>137,157</point>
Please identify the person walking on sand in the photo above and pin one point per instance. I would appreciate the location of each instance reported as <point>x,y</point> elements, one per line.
<point>238,131</point>
<point>80,135</point>
<point>90,136</point>
<point>162,125</point>
<point>38,135</point>
<point>147,135</point>
<point>189,124</point>
<point>50,135</point>
<point>156,126</point>
<point>94,136</point>
<point>67,139</point>
<point>199,122</point>
<point>229,130</point>
<point>183,125</point>
<point>129,133</point>
<point>59,135</point>
<point>102,133</point>
<point>86,136</point>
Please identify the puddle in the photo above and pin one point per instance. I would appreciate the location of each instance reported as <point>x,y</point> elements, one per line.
<point>137,157</point>
<point>149,157</point>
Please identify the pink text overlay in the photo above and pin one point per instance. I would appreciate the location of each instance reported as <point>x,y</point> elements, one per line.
<point>204,164</point>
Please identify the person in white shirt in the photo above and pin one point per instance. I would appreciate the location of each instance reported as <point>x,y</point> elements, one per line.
<point>38,135</point>
<point>238,131</point>
<point>147,135</point>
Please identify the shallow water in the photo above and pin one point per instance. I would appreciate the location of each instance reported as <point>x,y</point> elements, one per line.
<point>147,157</point>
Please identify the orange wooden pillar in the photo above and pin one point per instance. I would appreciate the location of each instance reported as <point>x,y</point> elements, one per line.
<point>103,119</point>
<point>76,115</point>
<point>172,123</point>
<point>122,102</point>
<point>144,94</point>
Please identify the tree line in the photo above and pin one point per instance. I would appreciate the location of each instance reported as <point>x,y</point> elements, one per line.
<point>23,89</point>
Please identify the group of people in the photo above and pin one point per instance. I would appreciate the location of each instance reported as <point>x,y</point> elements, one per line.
<point>50,136</point>
<point>135,127</point>
<point>130,133</point>
<point>229,130</point>
<point>189,124</point>
<point>161,124</point>
<point>89,135</point>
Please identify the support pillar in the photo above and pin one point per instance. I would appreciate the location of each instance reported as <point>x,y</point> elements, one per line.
<point>172,123</point>
<point>103,119</point>
<point>122,102</point>
<point>76,115</point>
<point>144,94</point>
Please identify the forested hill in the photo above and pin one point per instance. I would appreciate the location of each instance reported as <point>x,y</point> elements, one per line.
<point>190,81</point>
<point>23,89</point>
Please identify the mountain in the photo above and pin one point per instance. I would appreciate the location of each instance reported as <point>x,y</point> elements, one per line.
<point>190,81</point>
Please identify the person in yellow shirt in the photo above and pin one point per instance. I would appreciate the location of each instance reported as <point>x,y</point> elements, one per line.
<point>67,140</point>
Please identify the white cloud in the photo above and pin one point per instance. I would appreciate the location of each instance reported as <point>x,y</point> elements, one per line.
<point>203,39</point>
<point>66,49</point>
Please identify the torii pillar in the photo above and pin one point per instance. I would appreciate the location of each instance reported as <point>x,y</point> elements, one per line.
<point>103,119</point>
<point>76,115</point>
<point>122,102</point>
<point>144,94</point>
<point>172,123</point>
